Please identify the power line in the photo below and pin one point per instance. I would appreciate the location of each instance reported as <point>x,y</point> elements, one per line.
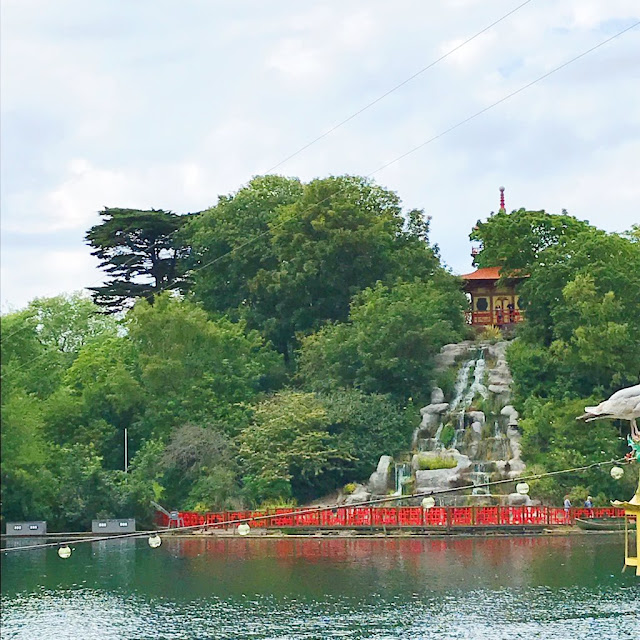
<point>355,114</point>
<point>396,159</point>
<point>429,141</point>
<point>398,86</point>
<point>364,503</point>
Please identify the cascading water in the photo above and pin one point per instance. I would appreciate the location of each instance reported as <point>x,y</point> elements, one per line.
<point>402,474</point>
<point>479,477</point>
<point>461,384</point>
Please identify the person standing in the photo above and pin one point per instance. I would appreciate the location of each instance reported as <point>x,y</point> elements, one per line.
<point>567,504</point>
<point>588,503</point>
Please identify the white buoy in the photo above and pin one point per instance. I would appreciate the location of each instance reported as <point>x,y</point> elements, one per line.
<point>155,541</point>
<point>522,488</point>
<point>617,472</point>
<point>428,502</point>
<point>64,552</point>
<point>243,529</point>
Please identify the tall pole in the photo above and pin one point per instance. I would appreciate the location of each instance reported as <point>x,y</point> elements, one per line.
<point>126,451</point>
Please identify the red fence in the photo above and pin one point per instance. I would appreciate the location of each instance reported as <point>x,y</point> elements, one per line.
<point>393,517</point>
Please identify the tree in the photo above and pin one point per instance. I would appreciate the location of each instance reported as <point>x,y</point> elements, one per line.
<point>200,471</point>
<point>196,369</point>
<point>141,252</point>
<point>366,426</point>
<point>287,451</point>
<point>390,342</point>
<point>231,244</point>
<point>288,257</point>
<point>516,240</point>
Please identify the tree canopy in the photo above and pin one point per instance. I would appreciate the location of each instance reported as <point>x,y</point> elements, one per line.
<point>141,252</point>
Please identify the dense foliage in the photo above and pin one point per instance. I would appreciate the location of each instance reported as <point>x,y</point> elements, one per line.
<point>205,381</point>
<point>581,339</point>
<point>142,253</point>
<point>294,358</point>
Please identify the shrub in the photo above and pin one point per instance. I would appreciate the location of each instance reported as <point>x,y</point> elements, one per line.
<point>349,488</point>
<point>491,335</point>
<point>430,463</point>
<point>447,435</point>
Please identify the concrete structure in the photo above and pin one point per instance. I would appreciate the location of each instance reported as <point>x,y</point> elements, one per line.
<point>30,528</point>
<point>113,525</point>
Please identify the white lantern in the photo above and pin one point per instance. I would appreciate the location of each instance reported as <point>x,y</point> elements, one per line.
<point>428,503</point>
<point>155,541</point>
<point>522,488</point>
<point>617,472</point>
<point>243,529</point>
<point>64,552</point>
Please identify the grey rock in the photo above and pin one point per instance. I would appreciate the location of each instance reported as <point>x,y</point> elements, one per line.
<point>359,495</point>
<point>518,500</point>
<point>437,395</point>
<point>476,416</point>
<point>510,412</point>
<point>435,479</point>
<point>379,480</point>
<point>436,408</point>
<point>476,430</point>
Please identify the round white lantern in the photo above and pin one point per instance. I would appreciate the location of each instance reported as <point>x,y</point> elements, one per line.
<point>243,529</point>
<point>617,472</point>
<point>428,502</point>
<point>155,541</point>
<point>64,552</point>
<point>522,488</point>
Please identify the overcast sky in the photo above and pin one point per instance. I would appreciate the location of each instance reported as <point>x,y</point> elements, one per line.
<point>167,104</point>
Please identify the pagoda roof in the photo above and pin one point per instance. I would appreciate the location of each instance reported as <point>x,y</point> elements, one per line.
<point>488,273</point>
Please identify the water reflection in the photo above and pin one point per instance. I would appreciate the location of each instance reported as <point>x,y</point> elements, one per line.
<point>539,587</point>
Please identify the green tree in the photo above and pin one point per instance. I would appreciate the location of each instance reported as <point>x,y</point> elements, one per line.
<point>287,450</point>
<point>391,340</point>
<point>194,368</point>
<point>516,240</point>
<point>288,257</point>
<point>141,253</point>
<point>231,244</point>
<point>367,426</point>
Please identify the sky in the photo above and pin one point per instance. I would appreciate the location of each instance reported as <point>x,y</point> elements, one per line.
<point>164,104</point>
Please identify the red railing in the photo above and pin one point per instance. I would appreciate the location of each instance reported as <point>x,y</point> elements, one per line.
<point>395,517</point>
<point>484,318</point>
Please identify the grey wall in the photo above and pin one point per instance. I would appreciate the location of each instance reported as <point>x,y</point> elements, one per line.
<point>113,525</point>
<point>31,528</point>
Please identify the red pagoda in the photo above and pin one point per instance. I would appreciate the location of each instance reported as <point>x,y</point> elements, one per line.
<point>494,302</point>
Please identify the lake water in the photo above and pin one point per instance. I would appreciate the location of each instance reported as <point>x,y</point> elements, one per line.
<point>463,588</point>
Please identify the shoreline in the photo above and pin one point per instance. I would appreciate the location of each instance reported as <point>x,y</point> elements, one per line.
<point>327,535</point>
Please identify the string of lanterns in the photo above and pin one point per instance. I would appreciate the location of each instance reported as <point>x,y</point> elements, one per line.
<point>428,502</point>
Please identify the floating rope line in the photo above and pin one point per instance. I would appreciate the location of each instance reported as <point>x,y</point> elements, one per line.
<point>364,503</point>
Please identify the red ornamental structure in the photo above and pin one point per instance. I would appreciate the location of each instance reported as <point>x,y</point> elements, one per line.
<point>493,300</point>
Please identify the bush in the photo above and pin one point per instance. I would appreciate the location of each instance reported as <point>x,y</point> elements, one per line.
<point>447,435</point>
<point>446,380</point>
<point>491,335</point>
<point>349,488</point>
<point>431,463</point>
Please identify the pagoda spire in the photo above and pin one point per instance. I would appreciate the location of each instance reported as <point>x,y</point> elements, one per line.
<point>502,207</point>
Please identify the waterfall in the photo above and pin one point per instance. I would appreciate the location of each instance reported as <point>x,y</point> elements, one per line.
<point>480,477</point>
<point>402,472</point>
<point>461,383</point>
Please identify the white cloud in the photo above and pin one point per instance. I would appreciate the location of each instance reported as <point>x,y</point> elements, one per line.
<point>118,104</point>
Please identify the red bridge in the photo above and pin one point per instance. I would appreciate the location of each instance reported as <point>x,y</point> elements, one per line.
<point>393,517</point>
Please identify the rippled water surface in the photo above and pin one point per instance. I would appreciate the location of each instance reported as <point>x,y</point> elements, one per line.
<point>496,588</point>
